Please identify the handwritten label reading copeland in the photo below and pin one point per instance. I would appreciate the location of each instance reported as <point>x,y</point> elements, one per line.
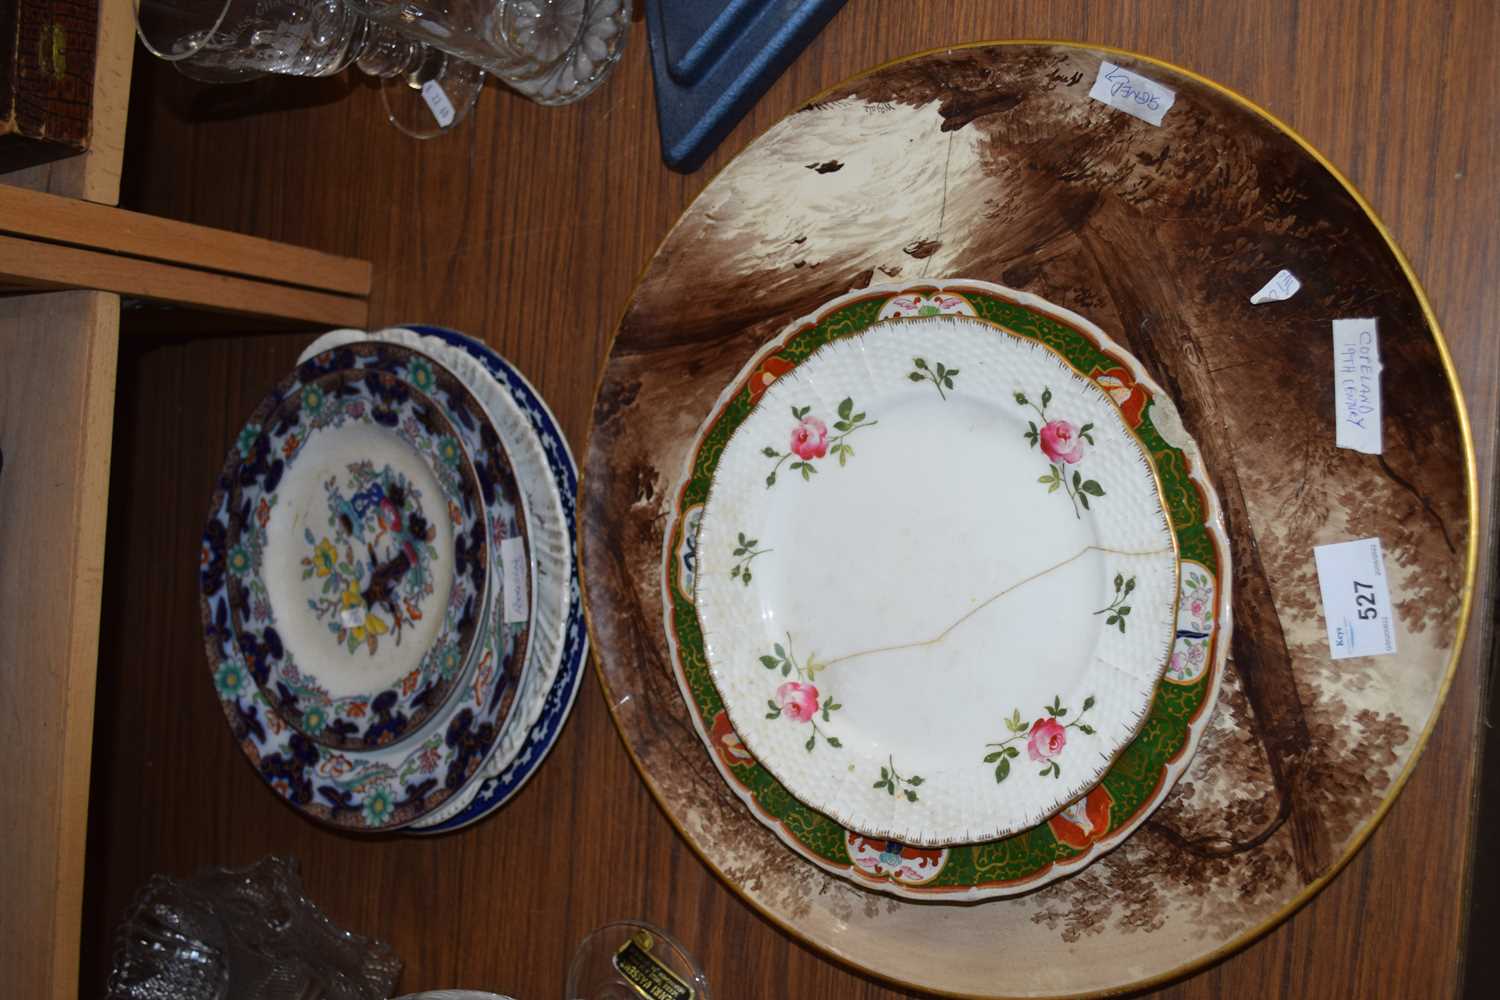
<point>1356,385</point>
<point>1278,289</point>
<point>513,573</point>
<point>438,103</point>
<point>1356,601</point>
<point>1132,93</point>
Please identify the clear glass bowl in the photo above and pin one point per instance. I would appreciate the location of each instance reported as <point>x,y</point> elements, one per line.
<point>242,934</point>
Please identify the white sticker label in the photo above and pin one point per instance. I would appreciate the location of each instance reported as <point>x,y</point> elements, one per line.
<point>1356,602</point>
<point>513,571</point>
<point>1132,93</point>
<point>438,103</point>
<point>1356,385</point>
<point>1278,289</point>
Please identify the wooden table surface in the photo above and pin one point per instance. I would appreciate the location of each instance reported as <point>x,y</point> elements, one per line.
<point>528,227</point>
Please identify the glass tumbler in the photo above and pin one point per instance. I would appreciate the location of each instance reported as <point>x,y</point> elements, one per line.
<point>553,51</point>
<point>631,959</point>
<point>426,91</point>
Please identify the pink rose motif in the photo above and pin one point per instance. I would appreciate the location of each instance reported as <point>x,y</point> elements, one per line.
<point>1196,608</point>
<point>799,701</point>
<point>1060,442</point>
<point>810,439</point>
<point>1046,739</point>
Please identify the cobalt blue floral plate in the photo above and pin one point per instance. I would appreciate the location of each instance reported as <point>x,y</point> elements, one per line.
<point>357,558</point>
<point>551,547</point>
<point>407,774</point>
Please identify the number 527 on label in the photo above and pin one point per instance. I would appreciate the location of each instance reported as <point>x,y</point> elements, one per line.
<point>1356,599</point>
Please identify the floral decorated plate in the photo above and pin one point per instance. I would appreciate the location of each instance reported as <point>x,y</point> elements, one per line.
<point>938,578</point>
<point>391,785</point>
<point>991,161</point>
<point>550,545</point>
<point>511,541</point>
<point>357,558</point>
<point>372,790</point>
<point>494,790</point>
<point>1100,816</point>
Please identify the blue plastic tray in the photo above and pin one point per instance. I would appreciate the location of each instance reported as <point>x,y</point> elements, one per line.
<point>713,59</point>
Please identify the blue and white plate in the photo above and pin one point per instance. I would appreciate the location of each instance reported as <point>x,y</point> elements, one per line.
<point>548,476</point>
<point>497,790</point>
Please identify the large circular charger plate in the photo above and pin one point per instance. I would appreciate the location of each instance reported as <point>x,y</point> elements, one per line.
<point>991,162</point>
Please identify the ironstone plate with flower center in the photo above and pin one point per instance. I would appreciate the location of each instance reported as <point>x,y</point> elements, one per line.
<point>549,536</point>
<point>1138,781</point>
<point>508,513</point>
<point>937,580</point>
<point>394,783</point>
<point>379,789</point>
<point>357,559</point>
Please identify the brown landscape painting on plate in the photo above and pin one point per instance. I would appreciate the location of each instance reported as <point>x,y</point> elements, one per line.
<point>993,163</point>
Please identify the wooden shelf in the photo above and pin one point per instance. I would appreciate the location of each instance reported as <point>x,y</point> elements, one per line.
<point>52,219</point>
<point>57,390</point>
<point>57,393</point>
<point>27,263</point>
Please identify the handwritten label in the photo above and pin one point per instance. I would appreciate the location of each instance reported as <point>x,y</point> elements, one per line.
<point>1132,93</point>
<point>438,103</point>
<point>1356,385</point>
<point>1278,289</point>
<point>513,574</point>
<point>1356,601</point>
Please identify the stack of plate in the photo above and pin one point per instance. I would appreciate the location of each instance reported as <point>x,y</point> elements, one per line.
<point>947,590</point>
<point>389,593</point>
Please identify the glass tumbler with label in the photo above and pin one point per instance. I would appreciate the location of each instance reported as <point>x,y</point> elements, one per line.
<point>631,960</point>
<point>426,90</point>
<point>624,960</point>
<point>431,55</point>
<point>552,51</point>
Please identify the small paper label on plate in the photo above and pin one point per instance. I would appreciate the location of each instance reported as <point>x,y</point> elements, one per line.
<point>1132,93</point>
<point>513,573</point>
<point>1356,385</point>
<point>645,972</point>
<point>1278,289</point>
<point>438,103</point>
<point>1356,601</point>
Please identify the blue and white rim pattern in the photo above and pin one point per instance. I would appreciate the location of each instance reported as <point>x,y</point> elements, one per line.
<point>498,790</point>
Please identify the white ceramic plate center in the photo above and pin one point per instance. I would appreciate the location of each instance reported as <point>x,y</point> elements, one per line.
<point>937,581</point>
<point>358,509</point>
<point>928,490</point>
